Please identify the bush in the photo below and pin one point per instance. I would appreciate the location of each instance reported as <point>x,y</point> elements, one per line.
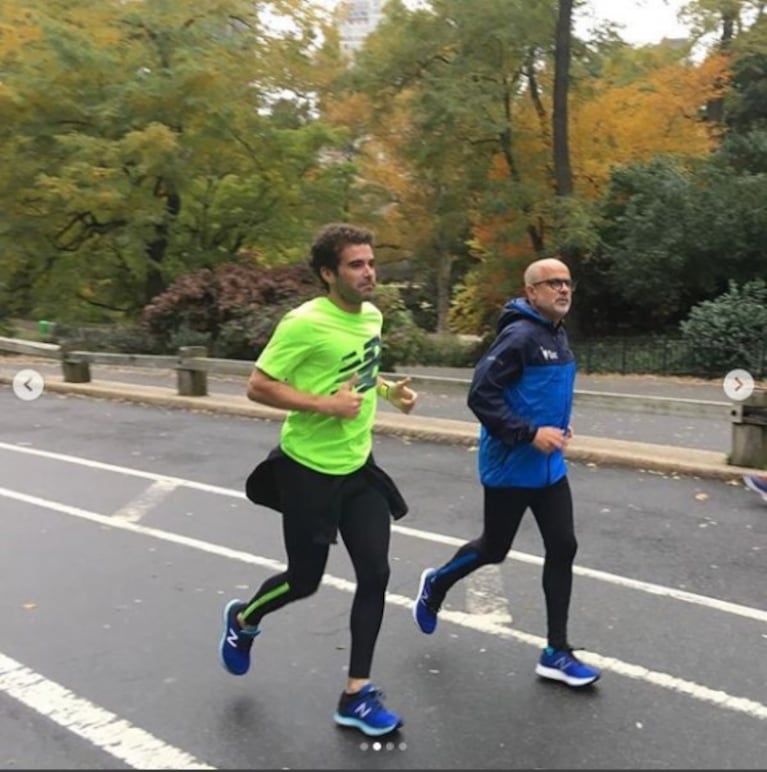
<point>232,310</point>
<point>729,331</point>
<point>451,350</point>
<point>403,340</point>
<point>128,339</point>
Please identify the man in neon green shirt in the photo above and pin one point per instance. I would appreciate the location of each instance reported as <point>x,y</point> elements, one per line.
<point>321,364</point>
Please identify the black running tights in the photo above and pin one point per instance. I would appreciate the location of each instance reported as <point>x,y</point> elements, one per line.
<point>552,508</point>
<point>364,526</point>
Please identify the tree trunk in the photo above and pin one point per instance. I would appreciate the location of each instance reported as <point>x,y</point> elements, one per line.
<point>563,175</point>
<point>715,107</point>
<point>155,249</point>
<point>444,286</point>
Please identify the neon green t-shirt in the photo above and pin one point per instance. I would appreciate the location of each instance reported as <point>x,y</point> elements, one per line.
<point>316,348</point>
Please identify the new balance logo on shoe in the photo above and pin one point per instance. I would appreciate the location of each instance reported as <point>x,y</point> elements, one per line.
<point>365,711</point>
<point>563,665</point>
<point>235,643</point>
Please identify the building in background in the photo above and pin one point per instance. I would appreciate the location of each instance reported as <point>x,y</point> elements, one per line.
<point>357,19</point>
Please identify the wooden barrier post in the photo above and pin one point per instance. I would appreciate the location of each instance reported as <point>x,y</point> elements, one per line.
<point>749,431</point>
<point>191,382</point>
<point>74,367</point>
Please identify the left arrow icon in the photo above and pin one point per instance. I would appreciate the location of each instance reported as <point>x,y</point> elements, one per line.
<point>28,384</point>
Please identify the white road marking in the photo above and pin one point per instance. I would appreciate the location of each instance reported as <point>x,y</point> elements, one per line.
<point>760,615</point>
<point>637,672</point>
<point>485,595</point>
<point>113,735</point>
<point>124,470</point>
<point>134,510</point>
<point>603,576</point>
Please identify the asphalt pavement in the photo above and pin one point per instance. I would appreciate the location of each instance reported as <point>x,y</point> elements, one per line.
<point>125,532</point>
<point>685,444</point>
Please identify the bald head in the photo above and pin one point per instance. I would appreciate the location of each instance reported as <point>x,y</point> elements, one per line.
<point>548,288</point>
<point>543,269</point>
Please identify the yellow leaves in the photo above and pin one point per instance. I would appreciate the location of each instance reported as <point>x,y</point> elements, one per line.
<point>655,115</point>
<point>651,108</point>
<point>155,136</point>
<point>151,148</point>
<point>349,111</point>
<point>17,31</point>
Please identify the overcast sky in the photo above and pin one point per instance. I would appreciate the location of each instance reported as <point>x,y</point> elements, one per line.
<point>646,21</point>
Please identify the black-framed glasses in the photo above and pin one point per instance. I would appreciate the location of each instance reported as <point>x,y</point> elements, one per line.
<point>557,284</point>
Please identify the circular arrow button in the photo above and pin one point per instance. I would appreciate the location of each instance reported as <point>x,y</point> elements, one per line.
<point>28,385</point>
<point>738,385</point>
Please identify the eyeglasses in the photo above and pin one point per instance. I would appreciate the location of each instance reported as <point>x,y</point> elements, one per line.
<point>557,284</point>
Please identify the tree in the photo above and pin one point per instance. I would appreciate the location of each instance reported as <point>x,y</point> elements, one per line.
<point>673,235</point>
<point>453,74</point>
<point>166,148</point>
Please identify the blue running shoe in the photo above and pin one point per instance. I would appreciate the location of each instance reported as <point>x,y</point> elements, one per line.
<point>426,606</point>
<point>365,711</point>
<point>236,640</point>
<point>757,483</point>
<point>563,665</point>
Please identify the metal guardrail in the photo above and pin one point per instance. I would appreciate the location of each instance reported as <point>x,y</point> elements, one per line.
<point>192,367</point>
<point>606,400</point>
<point>16,346</point>
<point>749,419</point>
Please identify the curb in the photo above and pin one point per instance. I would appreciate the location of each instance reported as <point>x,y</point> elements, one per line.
<point>590,450</point>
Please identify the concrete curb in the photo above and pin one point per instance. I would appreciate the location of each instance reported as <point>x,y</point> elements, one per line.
<point>593,450</point>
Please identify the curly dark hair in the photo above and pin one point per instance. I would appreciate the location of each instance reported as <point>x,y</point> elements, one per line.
<point>330,241</point>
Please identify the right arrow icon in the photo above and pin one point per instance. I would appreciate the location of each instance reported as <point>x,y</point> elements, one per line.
<point>738,385</point>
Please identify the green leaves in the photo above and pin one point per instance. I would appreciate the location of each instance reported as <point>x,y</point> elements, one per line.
<point>731,330</point>
<point>143,140</point>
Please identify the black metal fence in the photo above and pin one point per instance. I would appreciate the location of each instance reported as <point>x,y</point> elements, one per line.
<point>664,356</point>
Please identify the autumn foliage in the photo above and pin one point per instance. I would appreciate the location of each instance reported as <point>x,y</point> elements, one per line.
<point>234,306</point>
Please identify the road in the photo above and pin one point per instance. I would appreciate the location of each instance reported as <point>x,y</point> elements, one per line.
<point>125,532</point>
<point>446,401</point>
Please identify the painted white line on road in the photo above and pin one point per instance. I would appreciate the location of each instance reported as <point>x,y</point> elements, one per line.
<point>479,624</point>
<point>135,510</point>
<point>760,615</point>
<point>124,470</point>
<point>113,735</point>
<point>485,595</point>
<point>724,606</point>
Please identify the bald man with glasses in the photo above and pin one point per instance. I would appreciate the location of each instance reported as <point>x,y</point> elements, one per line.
<point>522,395</point>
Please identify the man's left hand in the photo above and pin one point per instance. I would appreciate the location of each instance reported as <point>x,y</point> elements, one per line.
<point>402,396</point>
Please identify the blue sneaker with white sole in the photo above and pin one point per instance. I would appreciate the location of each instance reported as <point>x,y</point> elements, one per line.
<point>236,640</point>
<point>426,606</point>
<point>562,665</point>
<point>365,711</point>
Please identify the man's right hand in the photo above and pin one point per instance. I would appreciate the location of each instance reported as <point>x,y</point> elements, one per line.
<point>550,438</point>
<point>346,402</point>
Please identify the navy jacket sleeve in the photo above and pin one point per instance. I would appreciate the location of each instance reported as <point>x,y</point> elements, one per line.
<point>499,367</point>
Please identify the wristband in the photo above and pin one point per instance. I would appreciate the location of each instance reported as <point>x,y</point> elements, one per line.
<point>382,389</point>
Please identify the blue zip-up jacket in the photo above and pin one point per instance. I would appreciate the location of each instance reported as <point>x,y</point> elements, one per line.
<point>524,381</point>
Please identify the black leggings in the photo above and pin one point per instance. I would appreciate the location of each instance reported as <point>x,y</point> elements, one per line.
<point>364,526</point>
<point>504,507</point>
